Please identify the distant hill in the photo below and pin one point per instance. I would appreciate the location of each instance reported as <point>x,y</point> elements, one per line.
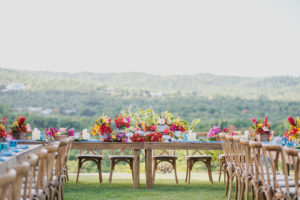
<point>206,85</point>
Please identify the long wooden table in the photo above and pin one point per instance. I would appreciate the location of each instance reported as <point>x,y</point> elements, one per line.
<point>12,161</point>
<point>137,147</point>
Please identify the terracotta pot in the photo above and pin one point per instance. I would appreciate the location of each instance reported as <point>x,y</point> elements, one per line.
<point>261,137</point>
<point>59,137</point>
<point>20,136</point>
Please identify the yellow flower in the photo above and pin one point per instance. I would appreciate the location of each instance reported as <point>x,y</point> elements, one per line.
<point>2,127</point>
<point>16,123</point>
<point>101,139</point>
<point>292,137</point>
<point>113,137</point>
<point>260,125</point>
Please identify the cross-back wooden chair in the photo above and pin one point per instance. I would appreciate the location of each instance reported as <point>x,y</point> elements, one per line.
<point>276,185</point>
<point>20,188</point>
<point>238,165</point>
<point>230,165</point>
<point>294,157</point>
<point>32,159</point>
<point>121,156</point>
<point>164,155</point>
<point>246,165</point>
<point>66,174</point>
<point>57,180</point>
<point>41,181</point>
<point>222,160</point>
<point>93,155</point>
<point>6,184</point>
<point>257,168</point>
<point>198,156</point>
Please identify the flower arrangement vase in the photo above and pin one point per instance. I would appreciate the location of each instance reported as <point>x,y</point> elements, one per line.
<point>20,136</point>
<point>59,137</point>
<point>261,137</point>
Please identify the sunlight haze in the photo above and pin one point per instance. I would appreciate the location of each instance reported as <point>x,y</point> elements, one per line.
<point>245,38</point>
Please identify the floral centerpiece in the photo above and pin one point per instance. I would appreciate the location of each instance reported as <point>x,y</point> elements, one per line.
<point>213,133</point>
<point>102,126</point>
<point>293,127</point>
<point>228,132</point>
<point>3,133</point>
<point>18,128</point>
<point>137,138</point>
<point>262,130</point>
<point>120,137</point>
<point>59,134</point>
<point>153,137</point>
<point>178,126</point>
<point>122,122</point>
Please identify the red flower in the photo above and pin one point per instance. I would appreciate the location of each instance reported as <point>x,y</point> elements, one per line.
<point>253,120</point>
<point>291,121</point>
<point>21,120</point>
<point>166,131</point>
<point>266,121</point>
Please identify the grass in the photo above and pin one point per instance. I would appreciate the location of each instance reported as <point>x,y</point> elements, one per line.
<point>163,189</point>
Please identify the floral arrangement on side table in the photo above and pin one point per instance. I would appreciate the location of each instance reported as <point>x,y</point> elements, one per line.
<point>18,128</point>
<point>102,126</point>
<point>3,133</point>
<point>122,122</point>
<point>262,130</point>
<point>213,133</point>
<point>293,126</point>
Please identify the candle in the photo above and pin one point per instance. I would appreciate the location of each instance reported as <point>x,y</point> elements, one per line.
<point>36,134</point>
<point>85,135</point>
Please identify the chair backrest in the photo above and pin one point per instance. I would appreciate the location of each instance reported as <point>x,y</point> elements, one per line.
<point>32,159</point>
<point>238,133</point>
<point>52,150</point>
<point>6,184</point>
<point>42,170</point>
<point>164,152</point>
<point>270,152</point>
<point>22,170</point>
<point>246,161</point>
<point>294,157</point>
<point>229,148</point>
<point>237,152</point>
<point>61,157</point>
<point>256,153</point>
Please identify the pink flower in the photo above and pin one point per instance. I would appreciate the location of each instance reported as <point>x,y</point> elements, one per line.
<point>253,120</point>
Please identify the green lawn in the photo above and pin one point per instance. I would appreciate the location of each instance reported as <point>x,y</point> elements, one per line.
<point>163,189</point>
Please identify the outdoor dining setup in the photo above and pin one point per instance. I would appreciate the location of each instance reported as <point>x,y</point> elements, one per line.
<point>257,164</point>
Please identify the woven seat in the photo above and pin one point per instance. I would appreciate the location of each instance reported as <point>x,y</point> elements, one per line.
<point>121,156</point>
<point>90,156</point>
<point>165,156</point>
<point>199,157</point>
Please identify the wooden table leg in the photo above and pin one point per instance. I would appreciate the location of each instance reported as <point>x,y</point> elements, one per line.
<point>148,167</point>
<point>136,170</point>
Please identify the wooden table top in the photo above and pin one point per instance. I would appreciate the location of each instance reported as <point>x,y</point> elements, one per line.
<point>12,161</point>
<point>139,145</point>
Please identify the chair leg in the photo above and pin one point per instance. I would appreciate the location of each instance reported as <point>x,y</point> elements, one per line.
<point>187,170</point>
<point>207,163</point>
<point>112,166</point>
<point>78,170</point>
<point>190,171</point>
<point>246,193</point>
<point>236,188</point>
<point>220,168</point>
<point>230,183</point>
<point>227,183</point>
<point>100,171</point>
<point>131,168</point>
<point>67,174</point>
<point>154,170</point>
<point>175,171</point>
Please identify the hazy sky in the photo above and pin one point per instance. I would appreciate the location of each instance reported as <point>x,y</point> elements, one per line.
<point>249,38</point>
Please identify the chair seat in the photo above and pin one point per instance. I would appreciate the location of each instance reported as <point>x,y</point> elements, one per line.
<point>121,157</point>
<point>222,156</point>
<point>164,157</point>
<point>89,156</point>
<point>199,157</point>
